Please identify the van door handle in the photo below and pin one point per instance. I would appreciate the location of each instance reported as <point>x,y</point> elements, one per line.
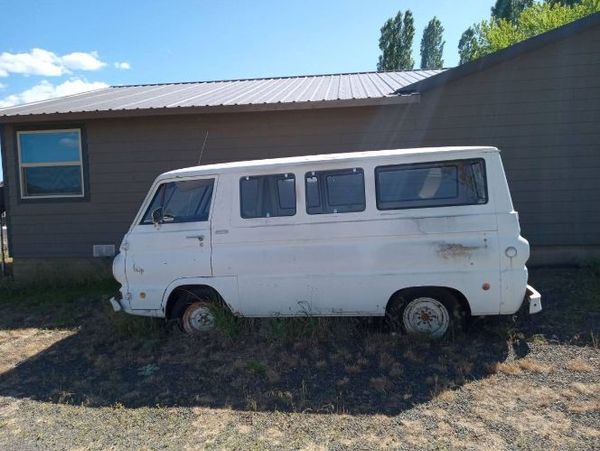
<point>198,237</point>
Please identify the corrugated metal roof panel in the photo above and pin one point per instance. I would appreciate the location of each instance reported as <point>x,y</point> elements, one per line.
<point>260,91</point>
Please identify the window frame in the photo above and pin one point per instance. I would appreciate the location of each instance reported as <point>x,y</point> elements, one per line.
<point>280,176</point>
<point>431,164</point>
<point>81,164</point>
<point>322,185</point>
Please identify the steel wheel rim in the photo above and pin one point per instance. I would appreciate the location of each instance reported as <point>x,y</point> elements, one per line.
<point>426,316</point>
<point>198,318</point>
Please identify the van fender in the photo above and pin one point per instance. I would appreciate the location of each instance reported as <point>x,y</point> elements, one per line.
<point>226,286</point>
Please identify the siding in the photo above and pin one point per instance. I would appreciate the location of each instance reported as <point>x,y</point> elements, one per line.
<point>541,109</point>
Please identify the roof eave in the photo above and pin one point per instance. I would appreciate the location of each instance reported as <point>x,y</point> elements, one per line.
<point>399,99</point>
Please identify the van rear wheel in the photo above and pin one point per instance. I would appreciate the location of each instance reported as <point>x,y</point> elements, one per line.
<point>432,312</point>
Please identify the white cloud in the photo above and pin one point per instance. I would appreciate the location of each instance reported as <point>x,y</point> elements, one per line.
<point>46,90</point>
<point>124,65</point>
<point>46,63</point>
<point>82,61</point>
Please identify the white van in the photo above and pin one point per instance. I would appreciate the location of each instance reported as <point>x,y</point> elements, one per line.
<point>426,236</point>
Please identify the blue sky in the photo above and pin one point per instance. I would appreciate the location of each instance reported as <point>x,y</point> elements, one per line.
<point>82,45</point>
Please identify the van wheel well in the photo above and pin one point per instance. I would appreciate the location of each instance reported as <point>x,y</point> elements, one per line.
<point>462,300</point>
<point>203,292</point>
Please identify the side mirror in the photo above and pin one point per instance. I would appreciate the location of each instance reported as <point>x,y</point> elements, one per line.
<point>157,215</point>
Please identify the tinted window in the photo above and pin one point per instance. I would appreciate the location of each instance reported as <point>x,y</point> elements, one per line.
<point>431,184</point>
<point>267,196</point>
<point>340,191</point>
<point>185,201</point>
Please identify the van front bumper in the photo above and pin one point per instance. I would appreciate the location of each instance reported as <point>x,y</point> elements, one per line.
<point>535,300</point>
<point>116,304</point>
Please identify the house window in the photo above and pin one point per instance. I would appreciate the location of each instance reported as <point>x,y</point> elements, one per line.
<point>338,191</point>
<point>50,163</point>
<point>427,185</point>
<point>267,196</point>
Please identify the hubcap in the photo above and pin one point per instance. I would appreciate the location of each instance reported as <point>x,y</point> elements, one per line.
<point>426,316</point>
<point>198,318</point>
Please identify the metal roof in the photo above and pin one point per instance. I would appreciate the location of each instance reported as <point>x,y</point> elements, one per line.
<point>294,92</point>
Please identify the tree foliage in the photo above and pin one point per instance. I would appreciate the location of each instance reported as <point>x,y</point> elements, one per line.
<point>468,44</point>
<point>509,9</point>
<point>490,36</point>
<point>432,45</point>
<point>563,2</point>
<point>396,42</point>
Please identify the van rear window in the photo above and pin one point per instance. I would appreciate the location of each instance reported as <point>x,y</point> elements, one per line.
<point>339,191</point>
<point>267,196</point>
<point>424,185</point>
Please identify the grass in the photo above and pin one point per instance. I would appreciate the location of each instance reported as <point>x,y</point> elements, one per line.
<point>68,363</point>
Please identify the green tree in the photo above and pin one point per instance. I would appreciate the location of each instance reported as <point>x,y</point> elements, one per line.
<point>407,36</point>
<point>494,35</point>
<point>395,43</point>
<point>509,9</point>
<point>468,46</point>
<point>432,45</point>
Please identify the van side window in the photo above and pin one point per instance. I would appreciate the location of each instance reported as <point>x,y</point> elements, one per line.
<point>423,185</point>
<point>184,201</point>
<point>266,196</point>
<point>339,191</point>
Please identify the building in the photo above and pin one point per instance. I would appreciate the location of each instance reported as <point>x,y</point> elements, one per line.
<point>71,194</point>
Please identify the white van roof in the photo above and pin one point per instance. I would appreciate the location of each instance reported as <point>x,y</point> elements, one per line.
<point>445,152</point>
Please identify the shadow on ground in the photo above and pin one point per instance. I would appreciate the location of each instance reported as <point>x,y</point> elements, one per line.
<point>340,365</point>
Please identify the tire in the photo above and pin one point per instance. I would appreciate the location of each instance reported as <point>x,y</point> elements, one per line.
<point>193,315</point>
<point>426,312</point>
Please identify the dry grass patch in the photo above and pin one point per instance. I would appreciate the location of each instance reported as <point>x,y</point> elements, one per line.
<point>517,367</point>
<point>586,389</point>
<point>510,368</point>
<point>447,396</point>
<point>534,366</point>
<point>584,407</point>
<point>579,366</point>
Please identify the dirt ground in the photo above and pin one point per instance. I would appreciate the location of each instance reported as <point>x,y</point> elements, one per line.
<point>75,375</point>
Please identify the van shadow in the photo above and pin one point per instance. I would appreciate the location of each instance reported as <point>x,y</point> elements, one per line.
<point>355,367</point>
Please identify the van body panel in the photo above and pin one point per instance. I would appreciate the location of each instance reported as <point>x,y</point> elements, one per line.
<point>347,263</point>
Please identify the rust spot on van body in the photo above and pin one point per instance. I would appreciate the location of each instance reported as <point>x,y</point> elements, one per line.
<point>455,250</point>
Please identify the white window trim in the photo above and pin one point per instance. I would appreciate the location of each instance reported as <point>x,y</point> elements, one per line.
<point>49,164</point>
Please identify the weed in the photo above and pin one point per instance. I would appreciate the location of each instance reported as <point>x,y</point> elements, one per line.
<point>226,323</point>
<point>148,370</point>
<point>256,368</point>
<point>272,376</point>
<point>139,327</point>
<point>538,339</point>
<point>380,384</point>
<point>396,370</point>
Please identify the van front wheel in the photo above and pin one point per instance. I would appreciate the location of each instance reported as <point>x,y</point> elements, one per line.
<point>194,317</point>
<point>434,313</point>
